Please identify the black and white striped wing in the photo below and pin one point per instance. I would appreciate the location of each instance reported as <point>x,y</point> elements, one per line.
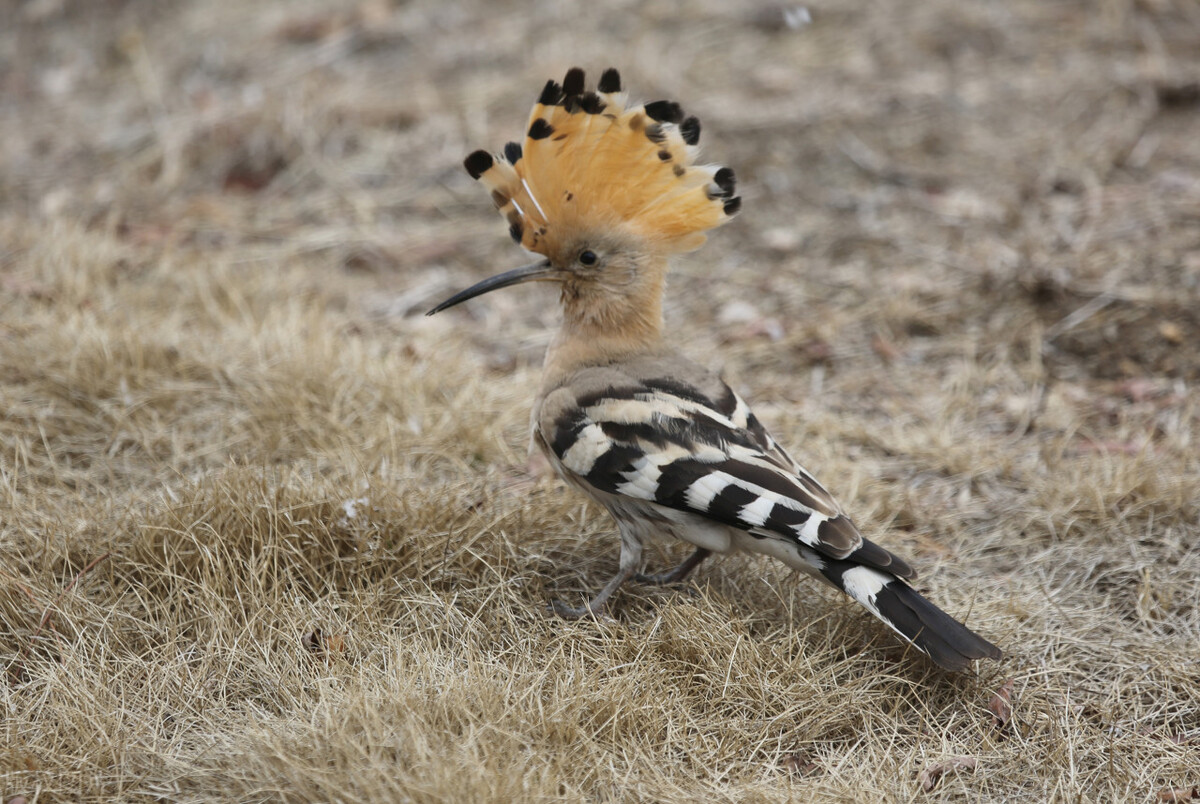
<point>668,443</point>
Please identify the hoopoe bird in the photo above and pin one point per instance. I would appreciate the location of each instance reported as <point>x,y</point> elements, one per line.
<point>605,192</point>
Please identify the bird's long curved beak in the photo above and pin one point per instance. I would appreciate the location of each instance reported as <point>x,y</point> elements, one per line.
<point>528,273</point>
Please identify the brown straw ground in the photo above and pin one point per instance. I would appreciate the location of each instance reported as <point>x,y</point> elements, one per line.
<point>267,534</point>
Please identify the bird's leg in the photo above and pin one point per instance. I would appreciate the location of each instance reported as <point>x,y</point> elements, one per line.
<point>677,573</point>
<point>630,561</point>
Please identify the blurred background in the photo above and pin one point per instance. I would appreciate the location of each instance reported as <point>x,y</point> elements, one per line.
<point>970,157</point>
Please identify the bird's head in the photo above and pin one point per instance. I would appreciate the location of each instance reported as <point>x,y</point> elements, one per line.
<point>603,193</point>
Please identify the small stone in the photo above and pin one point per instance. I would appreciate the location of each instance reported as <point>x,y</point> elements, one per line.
<point>1171,332</point>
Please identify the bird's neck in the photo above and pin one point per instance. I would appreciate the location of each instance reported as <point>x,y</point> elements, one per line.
<point>600,328</point>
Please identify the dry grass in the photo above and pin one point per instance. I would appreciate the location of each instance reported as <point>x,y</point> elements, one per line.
<point>971,250</point>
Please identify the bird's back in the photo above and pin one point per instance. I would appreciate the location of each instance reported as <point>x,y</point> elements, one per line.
<point>662,429</point>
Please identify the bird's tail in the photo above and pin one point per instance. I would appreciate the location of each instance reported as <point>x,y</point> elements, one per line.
<point>930,630</point>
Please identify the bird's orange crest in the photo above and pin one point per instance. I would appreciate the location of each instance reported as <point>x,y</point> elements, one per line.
<point>591,163</point>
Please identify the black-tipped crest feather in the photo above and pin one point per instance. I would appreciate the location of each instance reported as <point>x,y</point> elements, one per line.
<point>477,163</point>
<point>665,111</point>
<point>551,94</point>
<point>690,130</point>
<point>573,82</point>
<point>540,130</point>
<point>610,81</point>
<point>726,180</point>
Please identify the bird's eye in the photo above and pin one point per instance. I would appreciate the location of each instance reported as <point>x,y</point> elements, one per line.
<point>588,257</point>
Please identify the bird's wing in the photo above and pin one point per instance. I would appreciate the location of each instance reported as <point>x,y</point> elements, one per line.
<point>697,448</point>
